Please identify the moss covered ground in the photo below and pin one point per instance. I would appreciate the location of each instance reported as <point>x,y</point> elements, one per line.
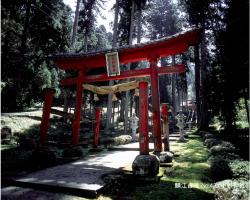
<point>188,177</point>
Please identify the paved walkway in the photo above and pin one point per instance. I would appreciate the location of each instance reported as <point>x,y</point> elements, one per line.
<point>85,174</point>
<point>19,193</point>
<point>82,175</point>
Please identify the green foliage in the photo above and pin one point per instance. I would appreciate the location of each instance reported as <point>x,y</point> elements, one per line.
<point>31,31</point>
<point>212,142</point>
<point>43,77</point>
<point>223,21</point>
<point>232,190</point>
<point>241,111</point>
<point>43,157</point>
<point>220,169</point>
<point>91,37</point>
<point>240,169</point>
<point>161,19</point>
<point>167,191</point>
<point>7,146</point>
<point>73,152</point>
<point>222,149</point>
<point>189,166</point>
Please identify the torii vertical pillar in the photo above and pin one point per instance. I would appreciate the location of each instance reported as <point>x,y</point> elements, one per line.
<point>144,164</point>
<point>143,118</point>
<point>97,125</point>
<point>78,110</point>
<point>155,105</point>
<point>48,98</point>
<point>165,127</point>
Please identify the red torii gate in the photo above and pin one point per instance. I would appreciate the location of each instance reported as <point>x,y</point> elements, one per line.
<point>150,51</point>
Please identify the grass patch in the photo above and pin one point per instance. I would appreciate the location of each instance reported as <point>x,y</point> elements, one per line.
<point>190,172</point>
<point>166,190</point>
<point>7,146</point>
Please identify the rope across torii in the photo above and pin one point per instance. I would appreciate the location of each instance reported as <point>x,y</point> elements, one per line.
<point>151,51</point>
<point>123,87</point>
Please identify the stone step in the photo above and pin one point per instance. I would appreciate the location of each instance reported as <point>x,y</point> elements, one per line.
<point>83,176</point>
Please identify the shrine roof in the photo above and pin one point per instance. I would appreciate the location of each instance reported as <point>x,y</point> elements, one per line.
<point>174,44</point>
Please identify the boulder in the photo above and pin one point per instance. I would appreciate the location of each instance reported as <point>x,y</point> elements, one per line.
<point>122,139</point>
<point>5,134</point>
<point>212,142</point>
<point>146,165</point>
<point>209,136</point>
<point>165,157</point>
<point>203,133</point>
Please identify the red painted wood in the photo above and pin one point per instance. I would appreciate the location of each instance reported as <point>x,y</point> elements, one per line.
<point>164,114</point>
<point>125,74</point>
<point>163,48</point>
<point>164,110</point>
<point>78,109</point>
<point>48,98</point>
<point>97,125</point>
<point>155,106</point>
<point>143,118</point>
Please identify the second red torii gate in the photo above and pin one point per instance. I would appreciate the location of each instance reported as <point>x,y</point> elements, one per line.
<point>150,51</point>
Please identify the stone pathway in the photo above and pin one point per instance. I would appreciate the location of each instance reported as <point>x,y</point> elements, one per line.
<point>19,193</point>
<point>83,175</point>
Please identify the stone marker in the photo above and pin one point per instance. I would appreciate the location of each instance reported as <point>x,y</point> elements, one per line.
<point>166,157</point>
<point>146,165</point>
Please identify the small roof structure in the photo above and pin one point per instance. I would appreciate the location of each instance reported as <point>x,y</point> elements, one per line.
<point>163,47</point>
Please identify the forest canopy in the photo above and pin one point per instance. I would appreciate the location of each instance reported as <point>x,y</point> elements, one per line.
<point>217,70</point>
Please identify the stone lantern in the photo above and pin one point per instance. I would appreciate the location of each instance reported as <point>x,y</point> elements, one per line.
<point>134,124</point>
<point>181,124</point>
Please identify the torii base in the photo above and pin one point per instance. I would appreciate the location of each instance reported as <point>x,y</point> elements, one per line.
<point>146,165</point>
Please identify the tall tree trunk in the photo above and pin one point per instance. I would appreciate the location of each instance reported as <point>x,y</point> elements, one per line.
<point>139,24</point>
<point>75,23</point>
<point>24,37</point>
<point>114,44</point>
<point>128,66</point>
<point>204,109</point>
<point>122,109</point>
<point>136,98</point>
<point>197,83</point>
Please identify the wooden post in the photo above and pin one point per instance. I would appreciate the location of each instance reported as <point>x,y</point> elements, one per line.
<point>143,118</point>
<point>48,98</point>
<point>78,109</point>
<point>155,105</point>
<point>97,125</point>
<point>165,127</point>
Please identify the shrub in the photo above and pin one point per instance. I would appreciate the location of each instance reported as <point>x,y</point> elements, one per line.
<point>240,169</point>
<point>123,139</point>
<point>73,152</point>
<point>223,148</point>
<point>203,133</point>
<point>219,169</point>
<point>232,190</point>
<point>43,157</point>
<point>209,136</point>
<point>26,142</point>
<point>212,142</point>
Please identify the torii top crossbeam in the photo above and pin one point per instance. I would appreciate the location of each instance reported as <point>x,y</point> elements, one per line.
<point>163,47</point>
<point>150,51</point>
